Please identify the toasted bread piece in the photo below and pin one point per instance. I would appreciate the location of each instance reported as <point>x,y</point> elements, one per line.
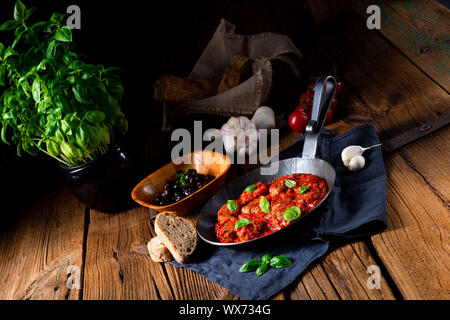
<point>242,65</point>
<point>173,89</point>
<point>178,235</point>
<point>158,251</point>
<point>229,80</point>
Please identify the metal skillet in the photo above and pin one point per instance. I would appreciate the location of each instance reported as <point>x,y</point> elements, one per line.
<point>324,92</point>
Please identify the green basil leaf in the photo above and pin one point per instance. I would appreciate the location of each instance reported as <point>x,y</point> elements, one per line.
<point>9,53</point>
<point>36,90</point>
<point>231,205</point>
<point>266,258</point>
<point>95,116</point>
<point>304,189</point>
<point>262,269</point>
<point>57,18</point>
<point>4,127</point>
<point>42,65</point>
<point>82,136</point>
<point>250,265</point>
<point>79,92</point>
<point>64,34</point>
<point>8,25</point>
<point>67,149</point>
<point>264,204</point>
<point>242,223</point>
<point>280,262</point>
<point>51,50</point>
<point>65,126</point>
<point>53,148</point>
<point>20,11</point>
<point>290,183</point>
<point>292,213</point>
<point>2,75</point>
<point>250,188</point>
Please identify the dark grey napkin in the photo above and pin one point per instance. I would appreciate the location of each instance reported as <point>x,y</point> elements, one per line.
<point>356,208</point>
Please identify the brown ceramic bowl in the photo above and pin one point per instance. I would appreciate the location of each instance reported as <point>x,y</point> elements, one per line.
<point>204,161</point>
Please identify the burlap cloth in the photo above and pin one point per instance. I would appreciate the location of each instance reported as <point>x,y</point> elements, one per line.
<point>245,98</point>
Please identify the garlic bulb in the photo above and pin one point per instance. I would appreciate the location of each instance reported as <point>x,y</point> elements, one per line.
<point>264,118</point>
<point>241,133</point>
<point>354,153</point>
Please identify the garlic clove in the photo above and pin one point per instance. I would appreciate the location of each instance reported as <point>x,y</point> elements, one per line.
<point>357,163</point>
<point>264,118</point>
<point>349,152</point>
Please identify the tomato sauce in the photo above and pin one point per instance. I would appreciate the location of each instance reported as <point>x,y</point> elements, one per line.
<point>303,191</point>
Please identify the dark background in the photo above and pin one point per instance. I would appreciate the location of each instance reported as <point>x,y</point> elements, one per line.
<point>148,41</point>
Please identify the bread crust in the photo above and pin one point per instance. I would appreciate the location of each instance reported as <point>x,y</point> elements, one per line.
<point>158,251</point>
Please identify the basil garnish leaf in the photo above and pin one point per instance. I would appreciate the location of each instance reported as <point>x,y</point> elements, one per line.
<point>290,183</point>
<point>280,262</point>
<point>292,213</point>
<point>231,205</point>
<point>304,189</point>
<point>250,265</point>
<point>250,188</point>
<point>266,258</point>
<point>262,269</point>
<point>264,204</point>
<point>242,223</point>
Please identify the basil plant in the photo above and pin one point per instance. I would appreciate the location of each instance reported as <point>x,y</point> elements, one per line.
<point>51,100</point>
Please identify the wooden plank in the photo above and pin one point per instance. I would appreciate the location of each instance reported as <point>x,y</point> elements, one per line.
<point>383,86</point>
<point>415,248</point>
<point>117,263</point>
<point>421,30</point>
<point>341,274</point>
<point>42,249</point>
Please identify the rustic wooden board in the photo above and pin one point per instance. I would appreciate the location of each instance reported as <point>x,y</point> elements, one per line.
<point>421,30</point>
<point>117,263</point>
<point>415,248</point>
<point>383,86</point>
<point>41,251</point>
<point>341,274</point>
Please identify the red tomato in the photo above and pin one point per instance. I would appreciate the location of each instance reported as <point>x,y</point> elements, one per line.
<point>298,121</point>
<point>303,107</point>
<point>306,97</point>
<point>329,117</point>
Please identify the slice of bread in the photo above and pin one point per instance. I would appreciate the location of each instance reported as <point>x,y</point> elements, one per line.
<point>178,235</point>
<point>158,251</point>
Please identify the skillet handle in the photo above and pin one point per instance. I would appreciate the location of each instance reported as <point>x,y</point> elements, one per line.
<point>324,91</point>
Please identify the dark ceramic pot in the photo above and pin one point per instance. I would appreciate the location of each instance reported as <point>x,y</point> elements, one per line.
<point>104,184</point>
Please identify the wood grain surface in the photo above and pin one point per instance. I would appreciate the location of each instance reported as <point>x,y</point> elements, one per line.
<point>41,251</point>
<point>415,248</point>
<point>421,30</point>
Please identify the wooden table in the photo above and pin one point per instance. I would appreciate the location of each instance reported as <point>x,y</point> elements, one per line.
<point>397,78</point>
